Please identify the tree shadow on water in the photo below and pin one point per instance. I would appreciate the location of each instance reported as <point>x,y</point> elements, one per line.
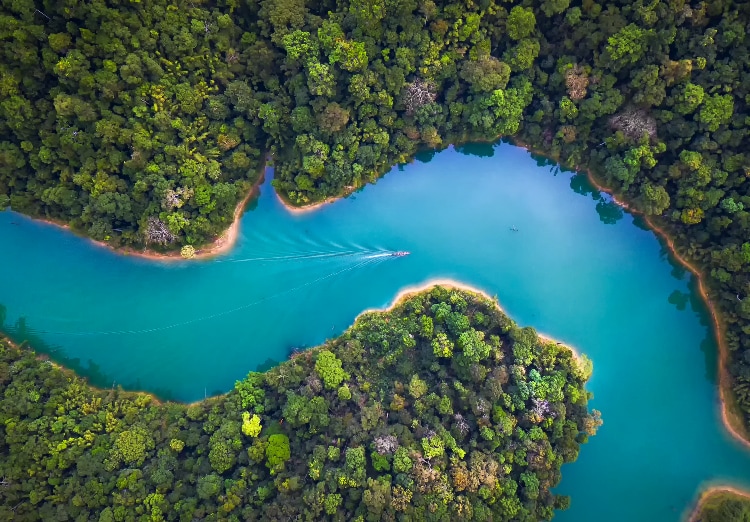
<point>27,338</point>
<point>266,365</point>
<point>544,161</point>
<point>425,156</point>
<point>679,300</point>
<point>478,149</point>
<point>609,212</point>
<point>708,345</point>
<point>580,184</point>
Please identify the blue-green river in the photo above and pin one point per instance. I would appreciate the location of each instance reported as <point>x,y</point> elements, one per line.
<point>578,269</point>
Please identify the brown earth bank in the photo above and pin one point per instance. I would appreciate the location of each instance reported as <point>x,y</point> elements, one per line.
<point>451,284</point>
<point>712,493</point>
<point>730,415</point>
<point>220,245</point>
<point>304,209</point>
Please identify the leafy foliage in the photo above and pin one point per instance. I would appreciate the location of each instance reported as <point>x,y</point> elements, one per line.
<point>724,506</point>
<point>144,122</point>
<point>311,451</point>
<point>119,118</point>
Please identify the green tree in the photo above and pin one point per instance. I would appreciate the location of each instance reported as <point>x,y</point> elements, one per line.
<point>655,198</point>
<point>351,56</point>
<point>521,22</point>
<point>553,7</point>
<point>628,44</point>
<point>221,456</point>
<point>251,425</point>
<point>717,110</point>
<point>688,98</point>
<point>329,368</point>
<point>486,74</point>
<point>320,79</point>
<point>442,346</point>
<point>473,346</point>
<point>521,56</point>
<point>209,486</point>
<point>131,445</point>
<point>417,387</point>
<point>277,452</point>
<point>251,392</point>
<point>300,46</point>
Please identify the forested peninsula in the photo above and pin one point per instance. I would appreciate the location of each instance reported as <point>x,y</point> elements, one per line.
<point>722,505</point>
<point>440,408</point>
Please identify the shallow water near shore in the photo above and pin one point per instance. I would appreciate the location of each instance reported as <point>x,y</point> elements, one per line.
<point>560,257</point>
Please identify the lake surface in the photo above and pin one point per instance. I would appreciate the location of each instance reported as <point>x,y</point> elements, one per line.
<point>578,269</point>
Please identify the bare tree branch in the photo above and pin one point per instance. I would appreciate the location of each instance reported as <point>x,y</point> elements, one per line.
<point>634,123</point>
<point>418,93</point>
<point>158,232</point>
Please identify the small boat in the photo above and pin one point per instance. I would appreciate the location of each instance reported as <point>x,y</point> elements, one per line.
<point>400,253</point>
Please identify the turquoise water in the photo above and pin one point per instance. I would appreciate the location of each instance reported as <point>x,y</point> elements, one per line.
<point>578,269</point>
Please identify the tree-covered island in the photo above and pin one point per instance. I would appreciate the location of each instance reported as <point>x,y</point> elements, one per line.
<point>439,409</point>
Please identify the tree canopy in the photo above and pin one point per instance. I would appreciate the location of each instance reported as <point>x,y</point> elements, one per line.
<point>479,434</point>
<point>144,122</point>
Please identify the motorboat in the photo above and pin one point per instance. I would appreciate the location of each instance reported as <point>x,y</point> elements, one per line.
<point>400,253</point>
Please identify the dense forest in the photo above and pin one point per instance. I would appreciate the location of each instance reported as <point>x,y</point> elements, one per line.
<point>144,122</point>
<point>723,506</point>
<point>440,409</point>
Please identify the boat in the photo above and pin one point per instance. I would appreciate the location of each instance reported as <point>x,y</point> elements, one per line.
<point>400,253</point>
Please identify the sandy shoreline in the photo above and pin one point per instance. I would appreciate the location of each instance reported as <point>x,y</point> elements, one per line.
<point>733,425</point>
<point>409,291</point>
<point>315,206</point>
<point>220,245</point>
<point>706,494</point>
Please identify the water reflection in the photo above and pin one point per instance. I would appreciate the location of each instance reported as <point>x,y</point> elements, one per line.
<point>581,185</point>
<point>25,337</point>
<point>480,150</point>
<point>679,299</point>
<point>609,212</point>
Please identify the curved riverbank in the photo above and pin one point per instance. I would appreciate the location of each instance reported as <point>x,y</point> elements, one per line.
<point>293,409</point>
<point>69,371</point>
<point>222,244</point>
<point>451,284</point>
<point>402,296</point>
<point>706,496</point>
<point>305,209</point>
<point>731,418</point>
<point>598,280</point>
